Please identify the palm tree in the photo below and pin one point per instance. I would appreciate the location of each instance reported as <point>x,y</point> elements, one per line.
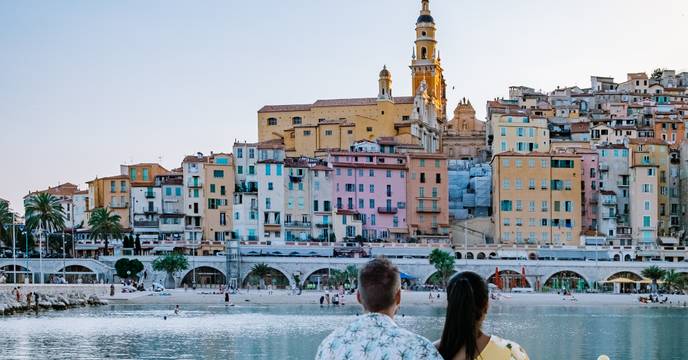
<point>673,280</point>
<point>653,273</point>
<point>443,262</point>
<point>261,271</point>
<point>44,213</point>
<point>105,226</point>
<point>351,274</point>
<point>5,218</point>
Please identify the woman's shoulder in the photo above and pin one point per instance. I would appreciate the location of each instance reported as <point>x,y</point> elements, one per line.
<point>505,347</point>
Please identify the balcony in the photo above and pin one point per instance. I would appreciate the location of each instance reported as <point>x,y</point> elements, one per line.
<point>387,210</point>
<point>194,183</point>
<point>250,187</point>
<point>153,210</point>
<point>295,178</point>
<point>326,226</point>
<point>608,201</point>
<point>149,195</point>
<point>298,224</point>
<point>604,167</point>
<point>623,183</point>
<point>428,210</point>
<point>119,205</point>
<point>146,224</point>
<point>274,227</point>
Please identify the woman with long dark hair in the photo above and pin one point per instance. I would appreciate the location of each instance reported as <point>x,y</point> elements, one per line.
<point>463,338</point>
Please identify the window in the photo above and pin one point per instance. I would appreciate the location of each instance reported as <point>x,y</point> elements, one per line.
<point>178,191</point>
<point>437,164</point>
<point>279,169</point>
<point>438,179</point>
<point>296,120</point>
<point>371,172</point>
<point>168,191</point>
<point>369,129</point>
<point>519,205</point>
<point>328,132</point>
<point>531,184</point>
<point>371,203</point>
<point>422,162</point>
<point>568,206</point>
<point>647,222</point>
<point>388,173</point>
<point>506,222</point>
<point>240,153</point>
<point>506,184</point>
<point>112,186</point>
<point>360,187</point>
<point>518,163</point>
<point>251,170</point>
<point>372,188</point>
<point>270,186</point>
<point>518,185</point>
<point>505,205</point>
<point>544,206</point>
<point>361,203</point>
<point>306,133</point>
<point>372,219</point>
<point>212,188</point>
<point>502,131</point>
<point>422,178</point>
<point>267,170</point>
<point>531,163</point>
<point>531,206</point>
<point>647,188</point>
<point>132,174</point>
<point>272,122</point>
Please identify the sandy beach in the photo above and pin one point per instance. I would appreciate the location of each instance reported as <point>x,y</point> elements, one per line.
<point>415,298</point>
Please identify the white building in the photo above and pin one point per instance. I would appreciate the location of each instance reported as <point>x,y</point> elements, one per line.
<point>146,205</point>
<point>172,216</point>
<point>194,199</point>
<point>271,191</point>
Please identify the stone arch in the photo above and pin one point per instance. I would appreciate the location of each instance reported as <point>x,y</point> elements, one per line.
<point>78,273</point>
<point>458,255</point>
<point>469,255</point>
<point>206,275</point>
<point>532,256</point>
<point>481,256</point>
<point>427,277</point>
<point>492,255</point>
<point>617,257</point>
<point>21,272</point>
<point>320,271</point>
<point>511,276</point>
<point>276,269</point>
<point>629,274</point>
<point>569,276</point>
<point>628,257</point>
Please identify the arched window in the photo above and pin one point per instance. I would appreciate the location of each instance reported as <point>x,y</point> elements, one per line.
<point>423,53</point>
<point>272,121</point>
<point>296,120</point>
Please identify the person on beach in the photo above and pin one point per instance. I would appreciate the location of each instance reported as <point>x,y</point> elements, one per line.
<point>176,310</point>
<point>462,337</point>
<point>374,335</point>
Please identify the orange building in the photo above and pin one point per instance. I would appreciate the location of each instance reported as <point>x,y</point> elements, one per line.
<point>427,197</point>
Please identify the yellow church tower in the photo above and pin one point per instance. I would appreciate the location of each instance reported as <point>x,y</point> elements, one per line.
<point>426,62</point>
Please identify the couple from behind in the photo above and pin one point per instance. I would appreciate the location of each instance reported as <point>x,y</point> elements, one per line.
<point>375,335</point>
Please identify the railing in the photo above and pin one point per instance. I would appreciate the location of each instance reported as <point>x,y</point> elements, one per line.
<point>146,224</point>
<point>194,184</point>
<point>119,205</point>
<point>608,201</point>
<point>319,225</point>
<point>427,210</point>
<point>387,210</point>
<point>623,183</point>
<point>298,224</point>
<point>150,195</point>
<point>246,188</point>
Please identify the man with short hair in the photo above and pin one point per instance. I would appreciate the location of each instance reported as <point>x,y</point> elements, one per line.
<point>375,335</point>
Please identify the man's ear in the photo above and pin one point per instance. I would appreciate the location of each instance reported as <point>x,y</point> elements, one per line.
<point>398,296</point>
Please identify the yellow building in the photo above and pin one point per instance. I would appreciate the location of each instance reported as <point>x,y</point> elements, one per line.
<point>537,198</point>
<point>112,193</point>
<point>516,131</point>
<point>313,129</point>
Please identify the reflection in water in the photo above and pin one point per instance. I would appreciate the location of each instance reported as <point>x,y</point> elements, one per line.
<point>294,332</point>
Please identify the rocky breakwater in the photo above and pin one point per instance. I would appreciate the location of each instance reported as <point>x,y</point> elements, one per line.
<point>45,299</point>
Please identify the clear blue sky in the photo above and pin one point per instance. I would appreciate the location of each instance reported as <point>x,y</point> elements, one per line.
<point>88,85</point>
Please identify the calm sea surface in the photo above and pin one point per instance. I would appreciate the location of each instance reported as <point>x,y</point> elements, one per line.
<point>294,332</point>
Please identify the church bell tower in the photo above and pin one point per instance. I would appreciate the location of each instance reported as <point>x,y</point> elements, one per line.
<point>426,62</point>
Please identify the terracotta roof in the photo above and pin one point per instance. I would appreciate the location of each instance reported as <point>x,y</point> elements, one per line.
<point>65,189</point>
<point>611,146</point>
<point>271,144</point>
<point>331,103</point>
<point>652,141</point>
<point>284,108</point>
<point>81,192</point>
<point>194,158</point>
<point>580,127</point>
<point>116,177</point>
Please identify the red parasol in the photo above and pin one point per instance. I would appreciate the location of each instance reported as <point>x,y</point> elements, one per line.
<point>523,276</point>
<point>497,279</point>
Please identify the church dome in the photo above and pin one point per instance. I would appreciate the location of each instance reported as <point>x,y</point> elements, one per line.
<point>385,73</point>
<point>426,19</point>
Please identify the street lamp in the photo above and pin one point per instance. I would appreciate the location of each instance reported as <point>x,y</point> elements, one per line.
<point>14,247</point>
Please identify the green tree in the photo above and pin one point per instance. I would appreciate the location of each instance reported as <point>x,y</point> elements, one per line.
<point>128,268</point>
<point>336,277</point>
<point>171,263</point>
<point>657,74</point>
<point>673,280</point>
<point>105,226</point>
<point>44,213</point>
<point>352,274</point>
<point>5,220</point>
<point>56,240</point>
<point>443,262</point>
<point>261,270</point>
<point>653,273</point>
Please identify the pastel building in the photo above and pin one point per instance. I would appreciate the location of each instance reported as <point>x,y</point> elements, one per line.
<point>271,191</point>
<point>246,191</point>
<point>172,208</point>
<point>113,193</point>
<point>614,178</point>
<point>372,185</point>
<point>218,189</point>
<point>518,132</point>
<point>537,198</point>
<point>427,197</point>
<point>146,199</point>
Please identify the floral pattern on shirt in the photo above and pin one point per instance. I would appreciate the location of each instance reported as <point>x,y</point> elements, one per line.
<point>375,336</point>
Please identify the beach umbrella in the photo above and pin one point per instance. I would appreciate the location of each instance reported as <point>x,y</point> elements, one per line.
<point>523,276</point>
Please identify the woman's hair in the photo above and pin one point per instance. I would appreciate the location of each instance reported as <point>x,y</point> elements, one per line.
<point>467,298</point>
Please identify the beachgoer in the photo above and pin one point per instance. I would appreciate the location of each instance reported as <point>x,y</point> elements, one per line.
<point>462,338</point>
<point>430,297</point>
<point>176,310</point>
<point>227,296</point>
<point>112,289</point>
<point>375,335</point>
<point>186,287</point>
<point>322,300</point>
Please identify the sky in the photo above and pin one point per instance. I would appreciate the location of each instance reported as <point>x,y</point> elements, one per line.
<point>88,85</point>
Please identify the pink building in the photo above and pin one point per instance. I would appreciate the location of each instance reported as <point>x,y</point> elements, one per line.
<point>374,185</point>
<point>590,186</point>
